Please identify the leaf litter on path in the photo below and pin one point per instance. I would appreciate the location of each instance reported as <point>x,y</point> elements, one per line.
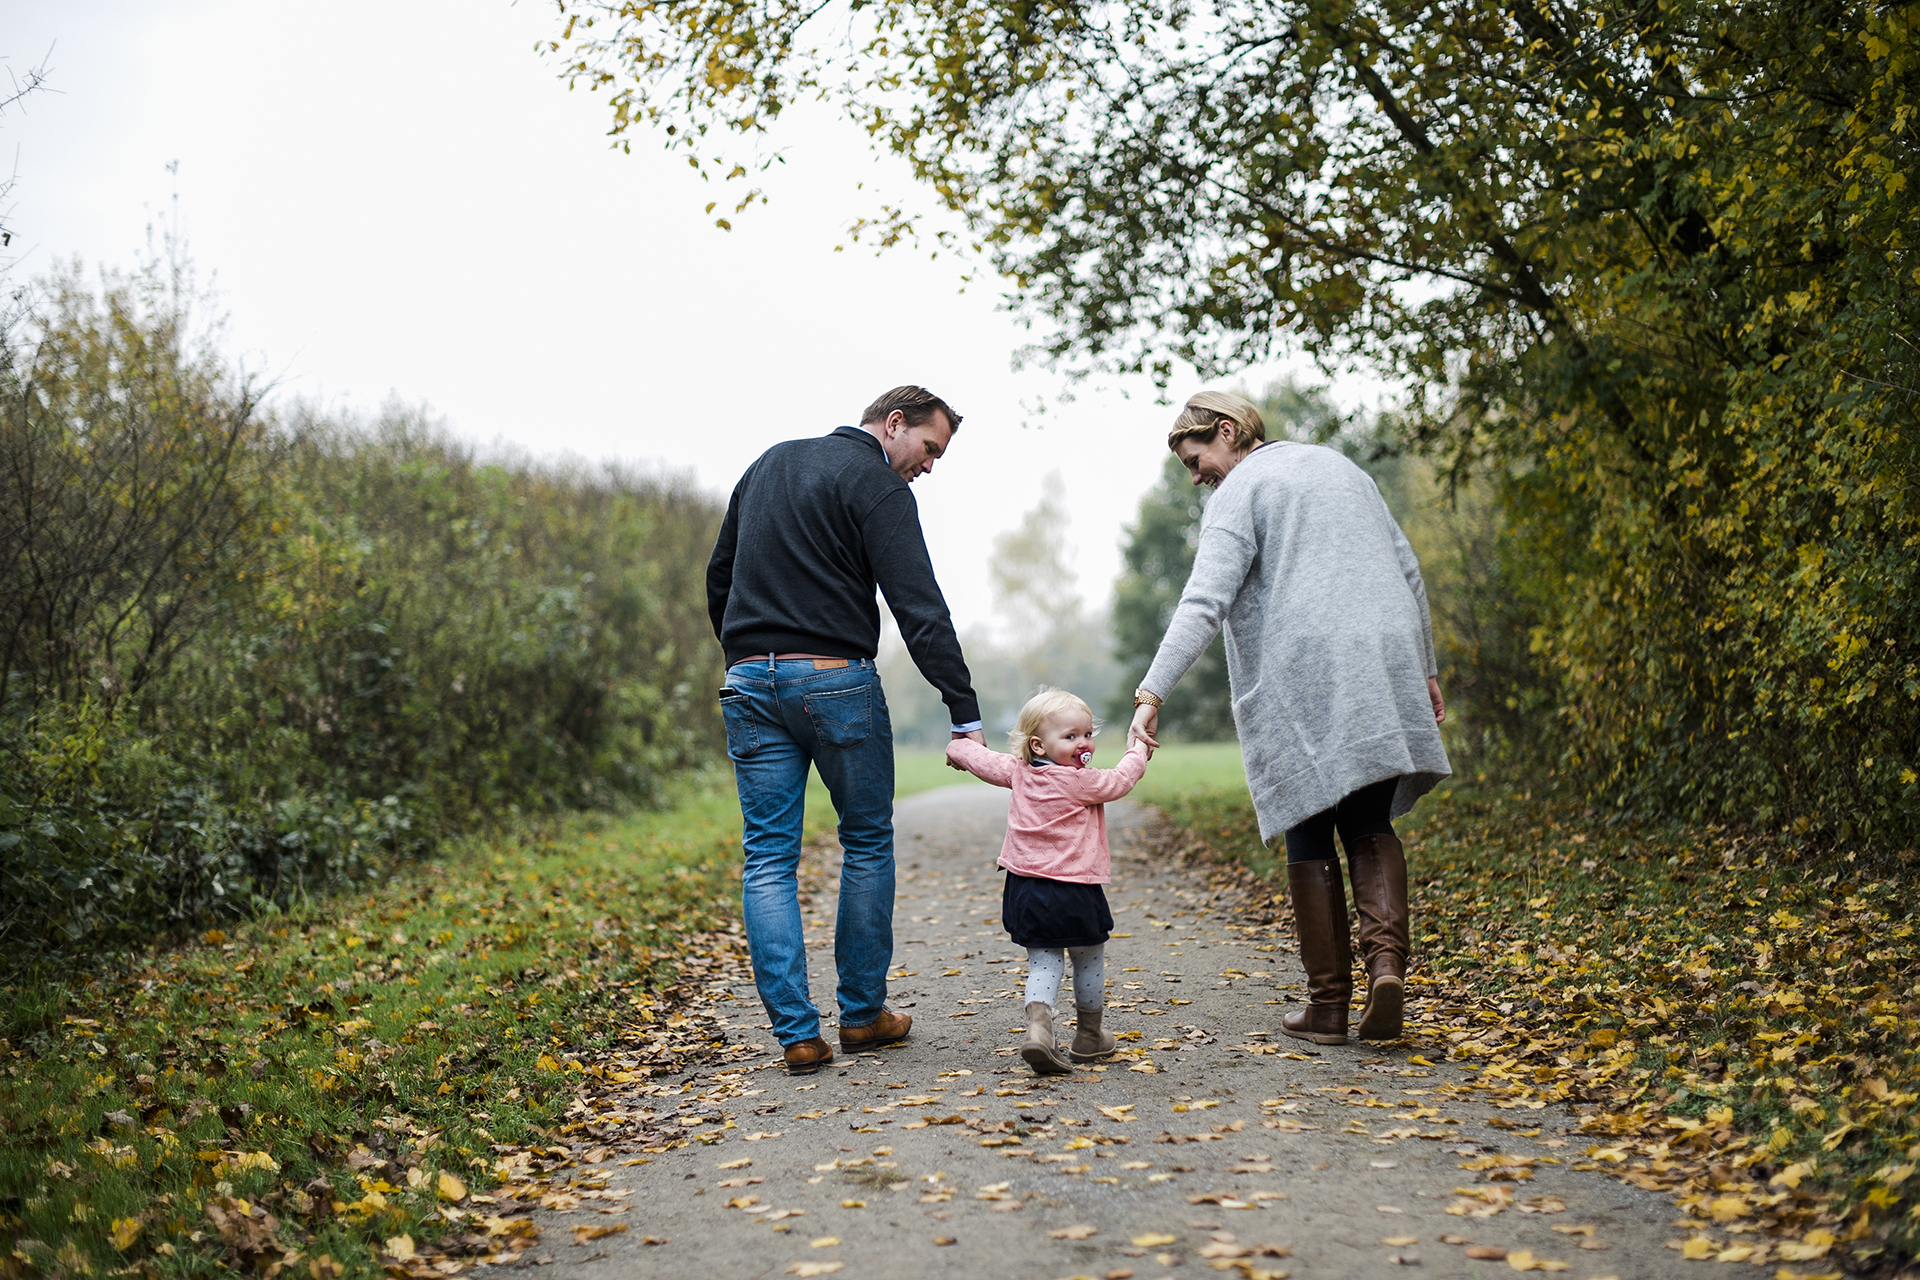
<point>1731,1016</point>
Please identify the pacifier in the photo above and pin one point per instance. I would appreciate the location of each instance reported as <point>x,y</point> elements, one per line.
<point>1085,756</point>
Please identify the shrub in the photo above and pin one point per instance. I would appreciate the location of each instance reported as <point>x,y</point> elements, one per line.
<point>248,658</point>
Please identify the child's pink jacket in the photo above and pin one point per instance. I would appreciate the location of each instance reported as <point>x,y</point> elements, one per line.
<point>1057,823</point>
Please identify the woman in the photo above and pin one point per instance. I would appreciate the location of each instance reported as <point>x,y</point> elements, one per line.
<point>1335,695</point>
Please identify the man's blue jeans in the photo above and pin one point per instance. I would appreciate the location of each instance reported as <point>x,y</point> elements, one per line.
<point>780,717</point>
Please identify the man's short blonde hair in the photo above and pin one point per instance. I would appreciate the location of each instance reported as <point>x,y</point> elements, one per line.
<point>1040,708</point>
<point>1200,420</point>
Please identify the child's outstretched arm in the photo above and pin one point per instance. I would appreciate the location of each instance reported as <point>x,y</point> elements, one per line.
<point>1097,786</point>
<point>983,763</point>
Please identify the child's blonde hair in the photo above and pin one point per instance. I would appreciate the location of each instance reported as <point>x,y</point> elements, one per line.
<point>1040,707</point>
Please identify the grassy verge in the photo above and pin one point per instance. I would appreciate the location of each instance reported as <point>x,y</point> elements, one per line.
<point>1725,1018</point>
<point>305,1089</point>
<point>926,769</point>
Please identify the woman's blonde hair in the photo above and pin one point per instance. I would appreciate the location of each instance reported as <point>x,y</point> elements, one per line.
<point>1200,420</point>
<point>1039,709</point>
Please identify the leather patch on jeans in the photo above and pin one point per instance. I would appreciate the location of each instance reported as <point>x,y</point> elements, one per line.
<point>828,664</point>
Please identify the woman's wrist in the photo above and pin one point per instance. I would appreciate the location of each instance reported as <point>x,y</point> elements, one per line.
<point>1146,697</point>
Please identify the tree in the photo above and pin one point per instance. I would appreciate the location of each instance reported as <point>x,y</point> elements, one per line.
<point>1051,638</point>
<point>1648,265</point>
<point>18,89</point>
<point>1034,587</point>
<point>130,497</point>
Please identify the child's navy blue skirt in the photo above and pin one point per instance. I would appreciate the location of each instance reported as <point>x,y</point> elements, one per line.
<point>1054,913</point>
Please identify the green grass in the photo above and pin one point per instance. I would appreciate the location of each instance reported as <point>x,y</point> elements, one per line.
<point>1183,769</point>
<point>1202,787</point>
<point>422,1022</point>
<point>926,769</point>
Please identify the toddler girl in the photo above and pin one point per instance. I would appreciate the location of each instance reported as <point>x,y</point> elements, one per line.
<point>1056,860</point>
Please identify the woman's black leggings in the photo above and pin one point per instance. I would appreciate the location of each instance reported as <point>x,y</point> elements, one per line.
<point>1362,813</point>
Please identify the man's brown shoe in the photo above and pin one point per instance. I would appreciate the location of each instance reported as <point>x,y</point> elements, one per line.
<point>888,1028</point>
<point>804,1057</point>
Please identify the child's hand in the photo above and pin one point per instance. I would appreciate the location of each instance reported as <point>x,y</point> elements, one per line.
<point>976,736</point>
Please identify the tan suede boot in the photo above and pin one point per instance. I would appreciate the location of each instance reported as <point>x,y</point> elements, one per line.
<point>1040,1051</point>
<point>1090,1043</point>
<point>1319,894</point>
<point>1380,896</point>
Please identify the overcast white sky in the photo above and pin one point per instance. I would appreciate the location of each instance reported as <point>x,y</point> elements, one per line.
<point>401,198</point>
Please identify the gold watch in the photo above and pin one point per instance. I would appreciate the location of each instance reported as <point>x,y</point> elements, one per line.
<point>1145,697</point>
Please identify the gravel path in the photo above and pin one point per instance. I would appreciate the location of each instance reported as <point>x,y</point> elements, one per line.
<point>1215,1142</point>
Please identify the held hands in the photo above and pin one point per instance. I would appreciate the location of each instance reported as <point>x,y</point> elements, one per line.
<point>1146,723</point>
<point>977,736</point>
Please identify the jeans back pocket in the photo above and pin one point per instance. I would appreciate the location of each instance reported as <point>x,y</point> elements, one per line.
<point>743,737</point>
<point>841,717</point>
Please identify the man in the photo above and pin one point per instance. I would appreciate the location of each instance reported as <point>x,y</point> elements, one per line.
<point>813,527</point>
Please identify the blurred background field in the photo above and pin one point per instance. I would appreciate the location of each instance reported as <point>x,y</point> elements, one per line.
<point>1178,770</point>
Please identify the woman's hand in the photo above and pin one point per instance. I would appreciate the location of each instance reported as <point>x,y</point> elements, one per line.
<point>1439,703</point>
<point>1146,723</point>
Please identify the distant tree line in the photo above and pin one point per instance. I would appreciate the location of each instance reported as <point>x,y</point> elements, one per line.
<point>247,657</point>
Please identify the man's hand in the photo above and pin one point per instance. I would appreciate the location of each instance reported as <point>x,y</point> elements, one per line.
<point>1439,703</point>
<point>977,736</point>
<point>1146,723</point>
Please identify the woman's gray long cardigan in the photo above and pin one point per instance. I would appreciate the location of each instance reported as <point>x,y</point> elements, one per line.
<point>1329,645</point>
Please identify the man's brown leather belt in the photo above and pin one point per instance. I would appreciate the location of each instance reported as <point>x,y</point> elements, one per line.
<point>820,662</point>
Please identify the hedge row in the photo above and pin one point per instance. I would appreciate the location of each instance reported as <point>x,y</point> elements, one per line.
<point>249,657</point>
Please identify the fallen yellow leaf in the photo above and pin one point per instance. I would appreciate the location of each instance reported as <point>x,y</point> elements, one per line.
<point>1813,1245</point>
<point>824,1242</point>
<point>583,1234</point>
<point>451,1188</point>
<point>1699,1247</point>
<point>1078,1231</point>
<point>125,1232</point>
<point>1397,1241</point>
<point>813,1268</point>
<point>400,1247</point>
<point>1790,1176</point>
<point>1728,1208</point>
<point>1152,1239</point>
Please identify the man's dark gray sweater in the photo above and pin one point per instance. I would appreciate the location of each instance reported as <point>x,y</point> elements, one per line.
<point>813,527</point>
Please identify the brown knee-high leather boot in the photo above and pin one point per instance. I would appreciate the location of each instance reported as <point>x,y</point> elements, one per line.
<point>1380,895</point>
<point>1326,951</point>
